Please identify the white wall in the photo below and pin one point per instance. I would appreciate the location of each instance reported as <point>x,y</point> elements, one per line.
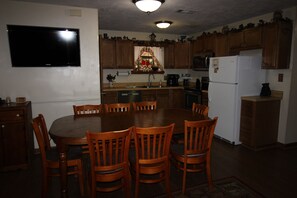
<point>52,91</point>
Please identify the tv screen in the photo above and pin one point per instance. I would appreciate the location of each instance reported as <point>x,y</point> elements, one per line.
<point>32,46</point>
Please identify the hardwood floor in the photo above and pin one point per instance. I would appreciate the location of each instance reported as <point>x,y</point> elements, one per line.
<point>271,172</point>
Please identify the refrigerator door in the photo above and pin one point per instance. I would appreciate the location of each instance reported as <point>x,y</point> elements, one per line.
<point>223,102</point>
<point>224,69</point>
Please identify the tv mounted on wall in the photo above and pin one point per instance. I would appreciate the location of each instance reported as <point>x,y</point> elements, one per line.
<point>32,46</point>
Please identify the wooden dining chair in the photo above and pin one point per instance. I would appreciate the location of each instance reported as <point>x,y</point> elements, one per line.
<point>144,105</point>
<point>87,109</point>
<point>50,157</point>
<point>109,161</point>
<point>200,109</point>
<point>149,159</point>
<point>194,154</point>
<point>117,107</point>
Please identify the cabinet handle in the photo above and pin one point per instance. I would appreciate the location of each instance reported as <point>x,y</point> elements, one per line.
<point>17,115</point>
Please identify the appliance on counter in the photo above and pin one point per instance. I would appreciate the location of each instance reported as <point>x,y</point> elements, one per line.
<point>172,80</point>
<point>230,78</point>
<point>204,83</point>
<point>201,61</point>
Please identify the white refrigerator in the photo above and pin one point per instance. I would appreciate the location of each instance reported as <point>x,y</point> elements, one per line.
<point>230,78</point>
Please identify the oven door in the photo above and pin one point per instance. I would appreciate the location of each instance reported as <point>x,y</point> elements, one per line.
<point>190,97</point>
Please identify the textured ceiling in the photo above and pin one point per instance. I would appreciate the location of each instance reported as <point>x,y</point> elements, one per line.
<point>202,15</point>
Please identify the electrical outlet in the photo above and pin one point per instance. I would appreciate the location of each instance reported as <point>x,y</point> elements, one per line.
<point>280,77</point>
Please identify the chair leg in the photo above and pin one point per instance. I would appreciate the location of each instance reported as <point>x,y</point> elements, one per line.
<point>167,180</point>
<point>136,185</point>
<point>208,174</point>
<point>184,178</point>
<point>127,181</point>
<point>80,178</point>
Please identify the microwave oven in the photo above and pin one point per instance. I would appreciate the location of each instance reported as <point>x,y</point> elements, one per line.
<point>201,61</point>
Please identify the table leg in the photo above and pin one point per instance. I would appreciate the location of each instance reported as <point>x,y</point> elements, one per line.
<point>63,169</point>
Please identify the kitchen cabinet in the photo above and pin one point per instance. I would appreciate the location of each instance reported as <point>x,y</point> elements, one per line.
<point>116,54</point>
<point>246,39</point>
<point>204,43</point>
<point>107,53</point>
<point>277,39</point>
<point>182,55</point>
<point>16,136</point>
<point>259,121</point>
<point>124,54</point>
<point>162,97</point>
<point>204,97</point>
<point>148,95</point>
<point>177,99</point>
<point>169,56</point>
<point>221,45</point>
<point>109,97</point>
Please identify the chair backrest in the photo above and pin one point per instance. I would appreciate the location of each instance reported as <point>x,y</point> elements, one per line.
<point>198,136</point>
<point>41,133</point>
<point>117,107</point>
<point>87,109</point>
<point>108,149</point>
<point>200,109</point>
<point>152,144</point>
<point>144,105</point>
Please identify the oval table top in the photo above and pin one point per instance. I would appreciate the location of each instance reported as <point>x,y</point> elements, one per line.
<point>71,129</point>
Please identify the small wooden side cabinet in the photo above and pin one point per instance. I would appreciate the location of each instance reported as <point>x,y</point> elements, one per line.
<point>16,136</point>
<point>259,121</point>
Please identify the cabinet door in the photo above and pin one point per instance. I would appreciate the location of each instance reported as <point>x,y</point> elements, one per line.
<point>221,45</point>
<point>109,97</point>
<point>149,95</point>
<point>169,56</point>
<point>107,54</point>
<point>209,43</point>
<point>198,45</point>
<point>182,55</point>
<point>176,98</point>
<point>277,38</point>
<point>252,38</point>
<point>235,40</point>
<point>162,98</point>
<point>124,54</point>
<point>13,149</point>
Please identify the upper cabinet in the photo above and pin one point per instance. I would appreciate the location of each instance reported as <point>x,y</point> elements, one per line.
<point>182,55</point>
<point>204,43</point>
<point>116,54</point>
<point>169,56</point>
<point>246,39</point>
<point>277,38</point>
<point>124,54</point>
<point>107,53</point>
<point>221,45</point>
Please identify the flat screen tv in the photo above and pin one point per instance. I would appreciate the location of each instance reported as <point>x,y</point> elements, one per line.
<point>32,46</point>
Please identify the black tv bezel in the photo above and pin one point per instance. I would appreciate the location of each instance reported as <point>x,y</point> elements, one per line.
<point>75,62</point>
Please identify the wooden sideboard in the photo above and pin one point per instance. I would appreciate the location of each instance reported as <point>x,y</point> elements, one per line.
<point>16,136</point>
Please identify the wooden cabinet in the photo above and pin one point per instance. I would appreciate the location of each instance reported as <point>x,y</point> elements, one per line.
<point>176,98</point>
<point>124,54</point>
<point>277,39</point>
<point>182,55</point>
<point>116,54</point>
<point>148,95</point>
<point>204,97</point>
<point>245,40</point>
<point>204,43</point>
<point>162,97</point>
<point>16,136</point>
<point>259,121</point>
<point>109,97</point>
<point>107,53</point>
<point>221,45</point>
<point>169,56</point>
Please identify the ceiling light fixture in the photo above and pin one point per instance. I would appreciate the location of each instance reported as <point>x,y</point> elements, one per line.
<point>163,24</point>
<point>148,5</point>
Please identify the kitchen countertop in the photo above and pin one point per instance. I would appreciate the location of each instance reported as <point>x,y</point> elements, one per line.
<point>131,88</point>
<point>260,98</point>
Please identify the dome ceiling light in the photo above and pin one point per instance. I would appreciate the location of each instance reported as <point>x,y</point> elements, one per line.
<point>163,24</point>
<point>148,6</point>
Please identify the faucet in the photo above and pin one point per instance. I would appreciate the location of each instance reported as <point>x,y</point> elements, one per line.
<point>149,83</point>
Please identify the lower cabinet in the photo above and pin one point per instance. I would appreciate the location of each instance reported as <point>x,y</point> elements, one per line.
<point>16,136</point>
<point>259,121</point>
<point>109,97</point>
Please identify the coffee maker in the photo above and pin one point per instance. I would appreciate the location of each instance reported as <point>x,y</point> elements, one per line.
<point>172,80</point>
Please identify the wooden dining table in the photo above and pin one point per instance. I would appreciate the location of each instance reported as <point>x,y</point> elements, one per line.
<point>71,130</point>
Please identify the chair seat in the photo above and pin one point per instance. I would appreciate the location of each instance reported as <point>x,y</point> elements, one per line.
<point>178,149</point>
